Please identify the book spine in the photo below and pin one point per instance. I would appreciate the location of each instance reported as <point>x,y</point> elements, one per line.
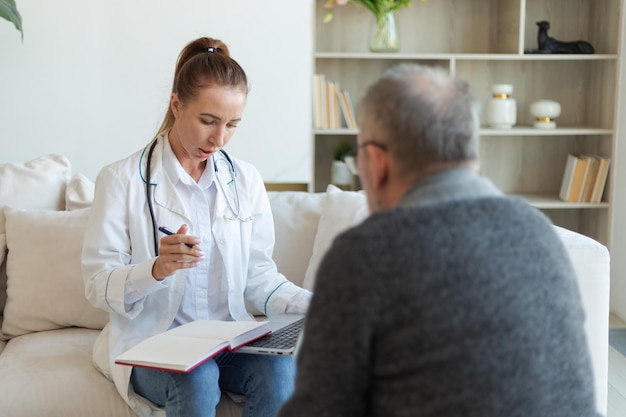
<point>328,100</point>
<point>568,175</point>
<point>598,187</point>
<point>323,101</point>
<point>591,179</point>
<point>318,111</point>
<point>347,109</point>
<point>575,176</point>
<point>587,163</point>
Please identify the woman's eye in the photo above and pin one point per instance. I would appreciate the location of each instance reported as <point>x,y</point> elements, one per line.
<point>207,122</point>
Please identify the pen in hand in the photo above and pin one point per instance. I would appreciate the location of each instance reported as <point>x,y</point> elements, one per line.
<point>169,232</point>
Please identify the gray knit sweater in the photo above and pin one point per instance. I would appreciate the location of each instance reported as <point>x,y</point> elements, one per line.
<point>461,302</point>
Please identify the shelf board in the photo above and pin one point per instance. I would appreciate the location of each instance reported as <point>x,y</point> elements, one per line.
<point>515,131</point>
<point>534,57</point>
<point>559,131</point>
<point>549,201</point>
<point>465,57</point>
<point>335,132</point>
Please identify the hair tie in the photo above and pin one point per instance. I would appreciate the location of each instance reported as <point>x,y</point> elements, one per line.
<point>211,50</point>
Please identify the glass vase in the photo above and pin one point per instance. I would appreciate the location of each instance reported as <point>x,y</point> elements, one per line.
<point>385,36</point>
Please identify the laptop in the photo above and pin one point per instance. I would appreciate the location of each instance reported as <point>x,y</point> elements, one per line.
<point>284,339</point>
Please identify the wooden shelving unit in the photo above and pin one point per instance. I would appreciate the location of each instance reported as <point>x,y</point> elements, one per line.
<point>483,42</point>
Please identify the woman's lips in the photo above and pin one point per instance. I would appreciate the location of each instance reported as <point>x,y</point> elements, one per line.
<point>206,154</point>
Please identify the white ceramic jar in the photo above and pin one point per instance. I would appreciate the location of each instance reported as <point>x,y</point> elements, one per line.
<point>544,112</point>
<point>501,109</point>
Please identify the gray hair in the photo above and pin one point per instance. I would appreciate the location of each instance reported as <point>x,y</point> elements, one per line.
<point>427,116</point>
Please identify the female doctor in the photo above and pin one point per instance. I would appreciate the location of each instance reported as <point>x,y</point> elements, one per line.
<point>218,259</point>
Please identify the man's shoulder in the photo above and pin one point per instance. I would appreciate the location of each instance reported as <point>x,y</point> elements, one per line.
<point>502,217</point>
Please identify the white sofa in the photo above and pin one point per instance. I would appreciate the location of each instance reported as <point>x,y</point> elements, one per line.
<point>48,327</point>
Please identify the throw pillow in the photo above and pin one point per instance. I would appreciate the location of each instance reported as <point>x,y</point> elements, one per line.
<point>296,215</point>
<point>79,192</point>
<point>45,289</point>
<point>341,210</point>
<point>36,184</point>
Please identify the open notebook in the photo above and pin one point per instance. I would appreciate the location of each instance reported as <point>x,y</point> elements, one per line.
<point>185,347</point>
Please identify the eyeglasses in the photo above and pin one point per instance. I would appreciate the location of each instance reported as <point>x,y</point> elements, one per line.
<point>351,157</point>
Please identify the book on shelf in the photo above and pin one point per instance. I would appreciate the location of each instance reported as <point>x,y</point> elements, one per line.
<point>347,109</point>
<point>594,165</point>
<point>330,102</point>
<point>185,347</point>
<point>319,101</point>
<point>584,178</point>
<point>577,169</point>
<point>597,180</point>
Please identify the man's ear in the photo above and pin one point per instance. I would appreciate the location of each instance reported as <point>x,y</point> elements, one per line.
<point>379,167</point>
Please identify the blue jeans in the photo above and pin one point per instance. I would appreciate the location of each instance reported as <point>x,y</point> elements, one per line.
<point>267,381</point>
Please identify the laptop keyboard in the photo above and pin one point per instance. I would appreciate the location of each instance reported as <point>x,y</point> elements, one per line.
<point>284,338</point>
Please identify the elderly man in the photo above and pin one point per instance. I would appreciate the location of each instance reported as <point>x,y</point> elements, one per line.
<point>451,299</point>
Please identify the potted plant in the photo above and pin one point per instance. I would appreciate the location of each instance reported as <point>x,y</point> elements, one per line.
<point>340,174</point>
<point>8,11</point>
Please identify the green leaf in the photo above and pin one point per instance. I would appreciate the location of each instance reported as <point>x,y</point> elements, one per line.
<point>8,11</point>
<point>342,149</point>
<point>380,7</point>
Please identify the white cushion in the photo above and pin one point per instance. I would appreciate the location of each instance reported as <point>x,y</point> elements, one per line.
<point>45,287</point>
<point>38,184</point>
<point>79,192</point>
<point>51,374</point>
<point>296,216</point>
<point>341,210</point>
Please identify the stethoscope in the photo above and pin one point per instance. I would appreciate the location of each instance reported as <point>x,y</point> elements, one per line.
<point>234,206</point>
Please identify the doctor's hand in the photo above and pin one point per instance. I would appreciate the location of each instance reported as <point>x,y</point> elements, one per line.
<point>177,251</point>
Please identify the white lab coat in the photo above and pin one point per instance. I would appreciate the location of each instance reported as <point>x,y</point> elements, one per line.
<point>119,248</point>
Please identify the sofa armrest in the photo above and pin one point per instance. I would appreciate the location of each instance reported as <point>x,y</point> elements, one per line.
<point>591,262</point>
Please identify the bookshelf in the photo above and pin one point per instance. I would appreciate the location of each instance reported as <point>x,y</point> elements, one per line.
<point>483,42</point>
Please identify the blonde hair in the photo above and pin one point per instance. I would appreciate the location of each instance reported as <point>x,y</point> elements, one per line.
<point>202,63</point>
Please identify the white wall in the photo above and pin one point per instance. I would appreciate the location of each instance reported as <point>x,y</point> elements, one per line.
<point>92,78</point>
